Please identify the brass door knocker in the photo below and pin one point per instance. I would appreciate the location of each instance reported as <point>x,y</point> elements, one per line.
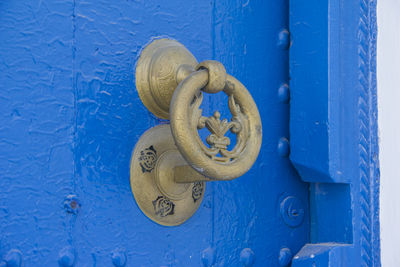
<point>170,163</point>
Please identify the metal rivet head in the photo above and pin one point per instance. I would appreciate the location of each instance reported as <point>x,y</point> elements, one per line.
<point>292,211</point>
<point>284,39</point>
<point>285,257</point>
<point>118,258</point>
<point>284,93</point>
<point>247,257</point>
<point>66,257</point>
<point>208,257</point>
<point>283,147</point>
<point>13,258</point>
<point>71,204</point>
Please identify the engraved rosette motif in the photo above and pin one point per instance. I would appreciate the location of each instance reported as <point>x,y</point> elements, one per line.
<point>147,159</point>
<point>163,206</point>
<point>197,190</point>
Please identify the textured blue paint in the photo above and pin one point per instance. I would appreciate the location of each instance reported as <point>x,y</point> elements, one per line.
<point>70,117</point>
<point>36,128</point>
<point>333,132</point>
<point>110,118</point>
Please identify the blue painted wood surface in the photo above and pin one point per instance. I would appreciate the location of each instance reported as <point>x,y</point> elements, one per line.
<point>70,117</point>
<point>333,116</point>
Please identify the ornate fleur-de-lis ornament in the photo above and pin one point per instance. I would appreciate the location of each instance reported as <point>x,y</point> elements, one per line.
<point>217,141</point>
<point>218,128</point>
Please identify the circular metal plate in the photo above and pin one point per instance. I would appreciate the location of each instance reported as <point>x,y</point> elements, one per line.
<point>152,179</point>
<point>156,73</point>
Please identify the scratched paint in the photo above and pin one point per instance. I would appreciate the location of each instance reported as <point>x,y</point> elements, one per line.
<point>71,116</point>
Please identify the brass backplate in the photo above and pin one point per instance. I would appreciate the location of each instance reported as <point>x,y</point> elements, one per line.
<point>153,179</point>
<point>156,74</point>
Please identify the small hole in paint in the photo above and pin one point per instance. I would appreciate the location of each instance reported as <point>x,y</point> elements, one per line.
<point>73,204</point>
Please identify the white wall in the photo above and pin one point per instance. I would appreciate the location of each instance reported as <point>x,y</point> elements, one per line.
<point>388,68</point>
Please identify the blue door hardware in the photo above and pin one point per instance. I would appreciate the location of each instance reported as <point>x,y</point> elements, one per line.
<point>70,116</point>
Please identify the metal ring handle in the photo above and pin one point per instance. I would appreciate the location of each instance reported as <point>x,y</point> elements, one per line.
<point>215,161</point>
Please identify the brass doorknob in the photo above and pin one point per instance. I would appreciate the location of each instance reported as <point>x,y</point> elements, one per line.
<point>171,84</point>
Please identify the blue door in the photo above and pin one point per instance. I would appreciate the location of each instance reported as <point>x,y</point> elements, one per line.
<point>71,117</point>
